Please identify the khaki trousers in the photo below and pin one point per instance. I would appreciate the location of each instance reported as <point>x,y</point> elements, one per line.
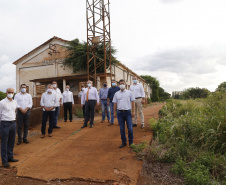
<point>138,108</point>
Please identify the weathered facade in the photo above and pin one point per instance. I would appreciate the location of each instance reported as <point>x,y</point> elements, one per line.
<point>44,64</point>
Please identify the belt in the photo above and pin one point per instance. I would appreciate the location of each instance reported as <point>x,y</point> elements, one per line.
<point>91,100</point>
<point>124,110</point>
<point>104,99</point>
<point>9,121</point>
<point>138,97</point>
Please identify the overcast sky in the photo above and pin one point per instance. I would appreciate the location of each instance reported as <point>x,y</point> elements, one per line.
<point>180,42</point>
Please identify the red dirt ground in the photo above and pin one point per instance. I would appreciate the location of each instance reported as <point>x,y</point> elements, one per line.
<point>78,156</point>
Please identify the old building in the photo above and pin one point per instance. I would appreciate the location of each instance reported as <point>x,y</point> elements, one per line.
<point>44,64</point>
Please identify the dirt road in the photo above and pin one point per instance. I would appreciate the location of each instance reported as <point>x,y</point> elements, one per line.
<point>89,154</point>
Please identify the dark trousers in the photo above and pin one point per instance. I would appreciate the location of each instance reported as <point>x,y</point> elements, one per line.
<point>22,121</point>
<point>45,115</point>
<point>8,135</point>
<point>122,118</point>
<point>89,111</point>
<point>68,107</point>
<point>55,116</point>
<point>84,111</point>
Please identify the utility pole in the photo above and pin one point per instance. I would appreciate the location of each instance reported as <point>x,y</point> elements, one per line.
<point>98,33</point>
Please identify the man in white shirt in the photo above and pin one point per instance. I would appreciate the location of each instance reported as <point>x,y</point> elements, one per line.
<point>24,100</point>
<point>90,99</point>
<point>57,109</point>
<point>8,127</point>
<point>67,102</point>
<point>49,102</point>
<point>123,103</point>
<point>138,92</point>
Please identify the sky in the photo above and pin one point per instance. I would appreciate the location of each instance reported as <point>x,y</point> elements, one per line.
<point>180,42</point>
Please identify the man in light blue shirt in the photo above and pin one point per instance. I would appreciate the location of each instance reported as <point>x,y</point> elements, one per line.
<point>123,102</point>
<point>104,103</point>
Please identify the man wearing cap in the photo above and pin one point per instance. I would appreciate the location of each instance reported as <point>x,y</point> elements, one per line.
<point>111,92</point>
<point>90,99</point>
<point>8,127</point>
<point>138,92</point>
<point>57,109</point>
<point>123,102</point>
<point>24,100</point>
<point>49,102</point>
<point>67,102</point>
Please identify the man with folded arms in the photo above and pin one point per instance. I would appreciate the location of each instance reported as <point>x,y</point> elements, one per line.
<point>49,102</point>
<point>24,100</point>
<point>90,98</point>
<point>67,102</point>
<point>138,92</point>
<point>123,102</point>
<point>8,127</point>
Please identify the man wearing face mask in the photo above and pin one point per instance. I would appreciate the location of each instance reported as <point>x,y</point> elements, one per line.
<point>123,103</point>
<point>104,104</point>
<point>67,102</point>
<point>111,92</point>
<point>138,92</point>
<point>80,96</point>
<point>49,102</point>
<point>24,100</point>
<point>90,98</point>
<point>8,127</point>
<point>57,109</point>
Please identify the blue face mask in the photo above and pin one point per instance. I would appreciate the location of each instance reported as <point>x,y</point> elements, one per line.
<point>135,81</point>
<point>113,84</point>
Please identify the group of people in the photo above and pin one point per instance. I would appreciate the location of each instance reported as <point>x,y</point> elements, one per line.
<point>115,101</point>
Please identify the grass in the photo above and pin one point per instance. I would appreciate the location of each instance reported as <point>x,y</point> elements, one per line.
<point>192,134</point>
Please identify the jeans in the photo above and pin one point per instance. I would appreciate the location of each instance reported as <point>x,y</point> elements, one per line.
<point>55,117</point>
<point>105,106</point>
<point>112,112</point>
<point>68,107</point>
<point>22,121</point>
<point>89,111</point>
<point>45,115</point>
<point>122,118</point>
<point>8,135</point>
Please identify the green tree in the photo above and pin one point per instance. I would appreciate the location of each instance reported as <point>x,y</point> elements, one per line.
<point>193,93</point>
<point>154,84</point>
<point>221,87</point>
<point>163,95</point>
<point>77,56</point>
<point>2,95</point>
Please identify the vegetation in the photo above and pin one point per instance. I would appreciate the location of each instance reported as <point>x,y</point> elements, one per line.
<point>2,95</point>
<point>192,134</point>
<point>77,56</point>
<point>163,96</point>
<point>221,87</point>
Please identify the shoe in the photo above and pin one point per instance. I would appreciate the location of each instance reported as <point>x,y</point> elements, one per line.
<point>91,126</point>
<point>12,160</point>
<point>19,142</point>
<point>142,126</point>
<point>84,126</point>
<point>42,136</point>
<point>122,145</point>
<point>25,141</point>
<point>56,127</point>
<point>6,165</point>
<point>102,121</point>
<point>134,125</point>
<point>110,124</point>
<point>50,135</point>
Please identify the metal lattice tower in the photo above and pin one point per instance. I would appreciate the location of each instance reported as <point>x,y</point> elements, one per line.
<point>98,32</point>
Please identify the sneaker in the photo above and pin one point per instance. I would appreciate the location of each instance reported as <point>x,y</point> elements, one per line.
<point>134,125</point>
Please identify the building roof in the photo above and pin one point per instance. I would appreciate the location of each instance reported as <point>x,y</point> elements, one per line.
<point>42,45</point>
<point>57,38</point>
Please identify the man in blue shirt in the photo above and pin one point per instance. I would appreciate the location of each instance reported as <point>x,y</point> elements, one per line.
<point>104,105</point>
<point>111,92</point>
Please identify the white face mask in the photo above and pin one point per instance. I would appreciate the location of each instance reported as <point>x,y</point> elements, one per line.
<point>49,90</point>
<point>122,86</point>
<point>83,89</point>
<point>89,85</point>
<point>54,85</point>
<point>10,96</point>
<point>67,89</point>
<point>23,90</point>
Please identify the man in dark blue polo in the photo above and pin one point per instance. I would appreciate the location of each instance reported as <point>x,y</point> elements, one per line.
<point>111,92</point>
